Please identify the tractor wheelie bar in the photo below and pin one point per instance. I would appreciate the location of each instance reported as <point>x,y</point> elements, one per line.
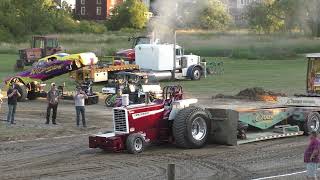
<point>173,119</point>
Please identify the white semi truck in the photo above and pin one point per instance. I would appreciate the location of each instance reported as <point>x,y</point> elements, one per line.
<point>158,59</point>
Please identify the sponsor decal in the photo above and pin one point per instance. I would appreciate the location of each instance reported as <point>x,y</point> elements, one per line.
<point>263,116</point>
<point>300,101</point>
<point>147,113</point>
<point>47,69</point>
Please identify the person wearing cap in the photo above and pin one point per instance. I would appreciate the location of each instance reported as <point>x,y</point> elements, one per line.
<point>53,100</point>
<point>12,95</point>
<point>79,101</point>
<point>312,155</point>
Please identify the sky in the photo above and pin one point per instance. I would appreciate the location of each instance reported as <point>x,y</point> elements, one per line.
<point>72,2</point>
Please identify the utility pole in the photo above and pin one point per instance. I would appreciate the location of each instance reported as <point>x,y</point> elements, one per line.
<point>173,72</point>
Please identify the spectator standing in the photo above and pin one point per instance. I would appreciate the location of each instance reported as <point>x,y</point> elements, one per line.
<point>1,96</point>
<point>12,95</point>
<point>79,100</point>
<point>53,100</point>
<point>312,156</point>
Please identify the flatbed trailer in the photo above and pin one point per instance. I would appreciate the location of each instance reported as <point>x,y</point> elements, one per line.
<point>262,123</point>
<point>103,72</point>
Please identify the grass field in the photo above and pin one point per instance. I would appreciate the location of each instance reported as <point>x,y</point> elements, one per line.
<point>286,76</point>
<point>235,44</point>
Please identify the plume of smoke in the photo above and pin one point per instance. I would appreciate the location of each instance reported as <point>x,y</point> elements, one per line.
<point>175,14</point>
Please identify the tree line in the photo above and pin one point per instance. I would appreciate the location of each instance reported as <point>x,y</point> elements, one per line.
<point>285,16</point>
<point>20,18</point>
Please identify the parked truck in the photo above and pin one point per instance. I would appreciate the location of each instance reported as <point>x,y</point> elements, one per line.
<point>154,59</point>
<point>173,119</point>
<point>166,60</point>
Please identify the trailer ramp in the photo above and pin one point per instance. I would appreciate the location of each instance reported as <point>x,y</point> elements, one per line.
<point>278,132</point>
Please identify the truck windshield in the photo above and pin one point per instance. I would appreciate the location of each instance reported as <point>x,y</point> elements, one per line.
<point>143,41</point>
<point>179,52</point>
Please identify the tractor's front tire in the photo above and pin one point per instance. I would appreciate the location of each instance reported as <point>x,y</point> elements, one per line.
<point>22,89</point>
<point>312,123</point>
<point>191,127</point>
<point>135,143</point>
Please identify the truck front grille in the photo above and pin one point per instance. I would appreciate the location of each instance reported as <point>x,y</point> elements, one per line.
<point>120,120</point>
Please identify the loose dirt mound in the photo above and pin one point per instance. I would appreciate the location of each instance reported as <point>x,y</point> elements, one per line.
<point>256,93</point>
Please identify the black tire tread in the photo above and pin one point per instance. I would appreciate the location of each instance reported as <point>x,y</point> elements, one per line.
<point>108,99</point>
<point>192,76</point>
<point>22,89</point>
<point>180,126</point>
<point>32,95</point>
<point>130,141</point>
<point>305,124</point>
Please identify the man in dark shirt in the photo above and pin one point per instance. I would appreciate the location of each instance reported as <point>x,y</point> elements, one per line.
<point>12,95</point>
<point>53,99</point>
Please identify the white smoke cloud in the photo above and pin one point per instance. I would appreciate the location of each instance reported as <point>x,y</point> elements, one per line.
<point>172,14</point>
<point>175,14</point>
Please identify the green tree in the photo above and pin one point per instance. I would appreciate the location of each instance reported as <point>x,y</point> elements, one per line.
<point>264,17</point>
<point>214,16</point>
<point>130,14</point>
<point>290,12</point>
<point>312,16</point>
<point>285,15</point>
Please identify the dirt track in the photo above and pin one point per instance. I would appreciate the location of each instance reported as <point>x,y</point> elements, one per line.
<point>70,157</point>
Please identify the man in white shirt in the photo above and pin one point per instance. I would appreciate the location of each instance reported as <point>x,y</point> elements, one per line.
<point>79,100</point>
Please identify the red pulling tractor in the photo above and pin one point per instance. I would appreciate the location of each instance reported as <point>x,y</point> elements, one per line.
<point>159,121</point>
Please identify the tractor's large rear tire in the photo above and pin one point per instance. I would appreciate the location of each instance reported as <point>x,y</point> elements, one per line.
<point>312,123</point>
<point>22,89</point>
<point>135,143</point>
<point>191,127</point>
